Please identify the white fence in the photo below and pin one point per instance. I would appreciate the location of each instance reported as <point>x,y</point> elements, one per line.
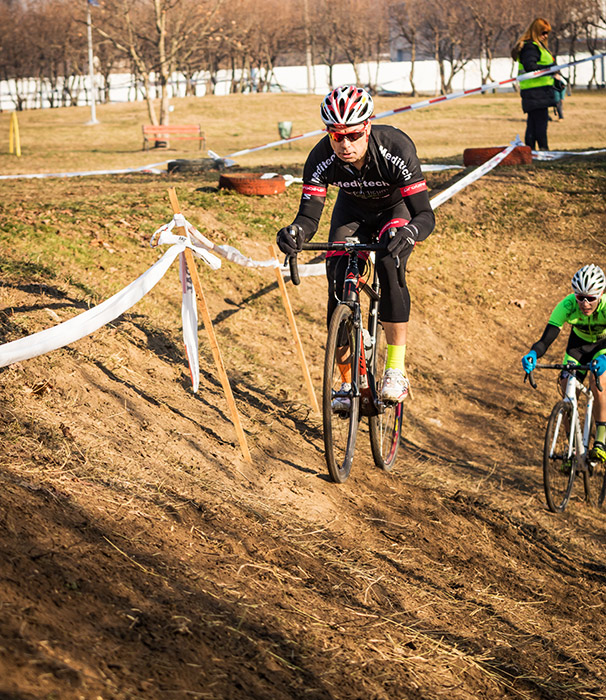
<point>389,76</point>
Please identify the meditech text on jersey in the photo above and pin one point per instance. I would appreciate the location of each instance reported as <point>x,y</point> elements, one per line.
<point>397,161</point>
<point>360,184</point>
<point>322,167</point>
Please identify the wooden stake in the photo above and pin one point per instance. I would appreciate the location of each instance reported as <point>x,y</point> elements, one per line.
<point>14,141</point>
<point>293,326</point>
<point>193,271</point>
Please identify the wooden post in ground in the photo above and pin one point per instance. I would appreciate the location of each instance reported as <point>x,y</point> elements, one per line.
<point>293,326</point>
<point>193,271</point>
<point>14,141</point>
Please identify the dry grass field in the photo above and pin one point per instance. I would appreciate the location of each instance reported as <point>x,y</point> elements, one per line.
<point>60,141</point>
<point>142,558</point>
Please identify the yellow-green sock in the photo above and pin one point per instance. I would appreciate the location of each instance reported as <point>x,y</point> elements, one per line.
<point>600,432</point>
<point>396,355</point>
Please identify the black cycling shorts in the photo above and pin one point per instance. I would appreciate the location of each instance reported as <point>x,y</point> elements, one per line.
<point>349,218</point>
<point>583,351</point>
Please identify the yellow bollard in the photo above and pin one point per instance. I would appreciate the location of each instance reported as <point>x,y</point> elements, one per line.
<point>14,142</point>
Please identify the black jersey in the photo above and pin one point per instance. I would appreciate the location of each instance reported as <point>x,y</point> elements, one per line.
<point>391,173</point>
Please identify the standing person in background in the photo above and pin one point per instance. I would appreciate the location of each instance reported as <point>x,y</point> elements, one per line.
<point>538,94</point>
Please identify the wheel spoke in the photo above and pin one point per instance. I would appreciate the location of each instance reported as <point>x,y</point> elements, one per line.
<point>559,466</point>
<point>386,427</point>
<point>340,407</point>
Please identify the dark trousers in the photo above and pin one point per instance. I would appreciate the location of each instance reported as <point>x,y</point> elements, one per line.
<point>536,129</point>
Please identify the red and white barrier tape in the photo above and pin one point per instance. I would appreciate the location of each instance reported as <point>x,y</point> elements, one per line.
<point>428,103</point>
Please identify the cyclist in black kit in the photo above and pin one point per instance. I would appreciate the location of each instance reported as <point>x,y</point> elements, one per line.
<point>381,186</point>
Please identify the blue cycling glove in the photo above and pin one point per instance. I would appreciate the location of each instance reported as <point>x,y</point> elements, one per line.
<point>598,365</point>
<point>529,361</point>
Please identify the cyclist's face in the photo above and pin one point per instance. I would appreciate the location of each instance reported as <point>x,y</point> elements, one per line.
<point>587,307</point>
<point>352,152</point>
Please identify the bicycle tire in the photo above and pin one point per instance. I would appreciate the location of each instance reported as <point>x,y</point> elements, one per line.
<point>340,429</point>
<point>602,494</point>
<point>558,471</point>
<point>385,428</point>
<point>587,474</point>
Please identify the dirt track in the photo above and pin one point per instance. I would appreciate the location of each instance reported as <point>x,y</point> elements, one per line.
<point>141,557</point>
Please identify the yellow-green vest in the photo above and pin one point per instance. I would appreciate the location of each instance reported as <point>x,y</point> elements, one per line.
<point>546,59</point>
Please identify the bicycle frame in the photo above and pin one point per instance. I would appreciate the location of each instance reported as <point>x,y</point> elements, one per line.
<point>363,383</point>
<point>560,466</point>
<point>573,387</point>
<point>364,351</point>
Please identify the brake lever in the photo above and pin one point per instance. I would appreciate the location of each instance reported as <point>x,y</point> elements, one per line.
<point>531,380</point>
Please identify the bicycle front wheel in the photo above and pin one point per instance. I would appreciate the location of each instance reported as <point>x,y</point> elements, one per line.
<point>385,428</point>
<point>559,469</point>
<point>339,407</point>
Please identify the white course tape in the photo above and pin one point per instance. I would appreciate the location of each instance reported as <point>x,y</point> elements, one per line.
<point>436,168</point>
<point>474,175</point>
<point>554,155</point>
<point>86,323</point>
<point>189,317</point>
<point>153,168</point>
<point>163,236</point>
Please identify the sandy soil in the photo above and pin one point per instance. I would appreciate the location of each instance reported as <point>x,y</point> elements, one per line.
<point>142,557</point>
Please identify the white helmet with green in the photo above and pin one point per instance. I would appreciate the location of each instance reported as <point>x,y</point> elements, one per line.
<point>589,280</point>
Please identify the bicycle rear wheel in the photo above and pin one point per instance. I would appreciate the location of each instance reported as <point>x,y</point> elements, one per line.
<point>602,494</point>
<point>340,424</point>
<point>559,470</point>
<point>386,427</point>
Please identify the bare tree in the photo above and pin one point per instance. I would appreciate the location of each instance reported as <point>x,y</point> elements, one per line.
<point>448,30</point>
<point>17,62</point>
<point>152,34</point>
<point>324,26</point>
<point>494,23</point>
<point>362,32</point>
<point>404,20</point>
<point>60,52</point>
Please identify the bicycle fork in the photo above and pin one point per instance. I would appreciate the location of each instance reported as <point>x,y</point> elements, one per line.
<point>578,437</point>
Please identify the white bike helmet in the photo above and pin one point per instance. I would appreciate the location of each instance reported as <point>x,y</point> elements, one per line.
<point>589,280</point>
<point>346,105</point>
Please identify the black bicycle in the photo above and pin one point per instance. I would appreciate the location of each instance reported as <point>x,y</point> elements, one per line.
<point>361,353</point>
<point>567,439</point>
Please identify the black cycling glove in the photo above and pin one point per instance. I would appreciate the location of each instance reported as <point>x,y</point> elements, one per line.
<point>290,239</point>
<point>403,240</point>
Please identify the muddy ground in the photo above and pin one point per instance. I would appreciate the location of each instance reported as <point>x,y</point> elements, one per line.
<point>141,557</point>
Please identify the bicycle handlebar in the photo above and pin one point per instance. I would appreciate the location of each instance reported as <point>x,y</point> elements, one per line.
<point>351,244</point>
<point>346,246</point>
<point>568,366</point>
<point>294,269</point>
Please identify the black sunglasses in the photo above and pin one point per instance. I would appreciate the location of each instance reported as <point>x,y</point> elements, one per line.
<point>586,297</point>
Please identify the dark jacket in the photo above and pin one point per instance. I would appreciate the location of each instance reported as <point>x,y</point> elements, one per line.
<point>539,97</point>
<point>391,174</point>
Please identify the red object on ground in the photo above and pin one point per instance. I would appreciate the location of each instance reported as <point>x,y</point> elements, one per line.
<point>252,183</point>
<point>521,155</point>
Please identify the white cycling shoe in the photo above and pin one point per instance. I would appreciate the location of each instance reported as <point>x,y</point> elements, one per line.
<point>394,387</point>
<point>342,404</point>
